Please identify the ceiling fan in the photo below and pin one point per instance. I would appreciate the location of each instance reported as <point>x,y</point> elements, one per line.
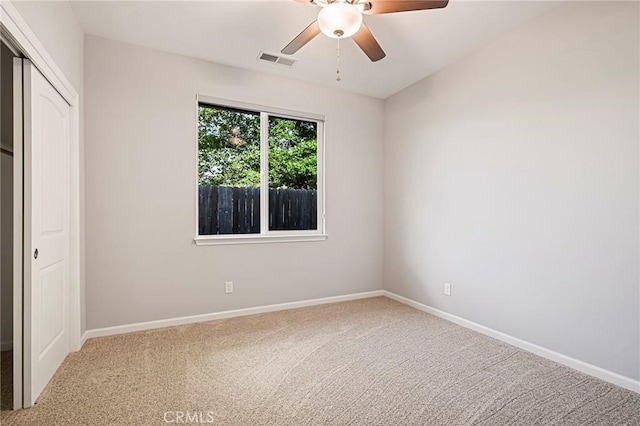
<point>343,19</point>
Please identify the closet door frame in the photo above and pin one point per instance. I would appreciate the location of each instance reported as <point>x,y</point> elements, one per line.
<point>15,32</point>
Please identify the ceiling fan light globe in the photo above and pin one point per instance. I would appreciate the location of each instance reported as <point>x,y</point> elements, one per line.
<point>339,20</point>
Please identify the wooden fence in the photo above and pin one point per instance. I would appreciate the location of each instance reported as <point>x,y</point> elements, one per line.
<point>233,210</point>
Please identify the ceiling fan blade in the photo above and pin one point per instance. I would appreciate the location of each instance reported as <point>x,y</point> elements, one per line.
<point>368,43</point>
<point>391,6</point>
<point>303,38</point>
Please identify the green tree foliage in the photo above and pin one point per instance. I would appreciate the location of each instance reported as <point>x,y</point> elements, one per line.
<point>228,147</point>
<point>229,150</point>
<point>293,153</point>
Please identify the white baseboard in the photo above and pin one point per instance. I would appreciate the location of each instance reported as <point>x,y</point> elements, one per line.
<point>592,370</point>
<point>130,328</point>
<point>7,345</point>
<point>83,339</point>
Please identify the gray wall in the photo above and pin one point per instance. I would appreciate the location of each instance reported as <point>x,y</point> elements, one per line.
<point>513,175</point>
<point>54,24</point>
<point>6,197</point>
<point>142,263</point>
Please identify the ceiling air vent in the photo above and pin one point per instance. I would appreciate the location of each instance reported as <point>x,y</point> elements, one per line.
<point>287,61</point>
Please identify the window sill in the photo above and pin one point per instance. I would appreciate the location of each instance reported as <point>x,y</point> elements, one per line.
<point>216,240</point>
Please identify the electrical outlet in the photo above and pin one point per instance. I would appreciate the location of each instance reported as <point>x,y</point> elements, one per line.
<point>447,289</point>
<point>228,287</point>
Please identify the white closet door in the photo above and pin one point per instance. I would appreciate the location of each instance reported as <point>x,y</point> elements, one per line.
<point>47,231</point>
<point>18,249</point>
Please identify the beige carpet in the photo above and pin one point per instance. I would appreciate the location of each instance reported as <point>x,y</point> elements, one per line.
<point>366,362</point>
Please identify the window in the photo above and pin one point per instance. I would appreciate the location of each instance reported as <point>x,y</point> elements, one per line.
<point>260,174</point>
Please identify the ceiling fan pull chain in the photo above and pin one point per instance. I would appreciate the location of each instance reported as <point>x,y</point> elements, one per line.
<point>338,62</point>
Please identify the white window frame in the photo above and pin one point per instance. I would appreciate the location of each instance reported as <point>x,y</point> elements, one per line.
<point>265,235</point>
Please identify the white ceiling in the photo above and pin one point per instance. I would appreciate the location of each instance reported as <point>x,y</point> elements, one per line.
<point>233,32</point>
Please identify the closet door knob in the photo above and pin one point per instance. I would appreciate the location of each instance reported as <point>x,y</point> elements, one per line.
<point>35,254</point>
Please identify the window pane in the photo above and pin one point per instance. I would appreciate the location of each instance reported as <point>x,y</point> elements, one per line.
<point>293,174</point>
<point>228,171</point>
